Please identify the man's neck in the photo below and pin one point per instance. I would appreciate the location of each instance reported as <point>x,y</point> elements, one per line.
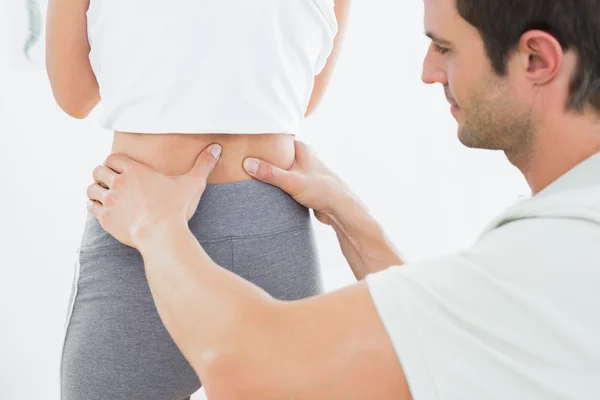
<point>557,149</point>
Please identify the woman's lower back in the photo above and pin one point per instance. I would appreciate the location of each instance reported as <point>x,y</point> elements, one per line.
<point>175,154</point>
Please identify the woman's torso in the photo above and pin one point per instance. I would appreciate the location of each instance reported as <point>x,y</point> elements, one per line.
<point>176,154</point>
<point>188,73</point>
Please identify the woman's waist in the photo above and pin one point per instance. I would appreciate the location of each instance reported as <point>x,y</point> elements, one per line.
<point>240,209</point>
<point>175,154</point>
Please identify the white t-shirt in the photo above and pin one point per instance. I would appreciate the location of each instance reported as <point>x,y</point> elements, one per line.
<point>517,316</point>
<point>216,66</point>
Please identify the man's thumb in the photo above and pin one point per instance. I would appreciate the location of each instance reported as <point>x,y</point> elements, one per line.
<point>206,162</point>
<point>270,174</point>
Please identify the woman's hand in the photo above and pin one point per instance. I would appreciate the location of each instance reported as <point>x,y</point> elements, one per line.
<point>309,181</point>
<point>131,199</point>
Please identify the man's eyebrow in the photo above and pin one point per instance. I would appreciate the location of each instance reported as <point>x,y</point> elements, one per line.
<point>437,39</point>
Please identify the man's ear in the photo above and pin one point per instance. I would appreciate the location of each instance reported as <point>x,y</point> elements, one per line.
<point>542,56</point>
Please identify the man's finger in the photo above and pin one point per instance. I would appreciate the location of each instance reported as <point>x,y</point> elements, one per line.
<point>267,173</point>
<point>104,176</point>
<point>206,162</point>
<point>94,208</point>
<point>119,162</point>
<point>95,192</point>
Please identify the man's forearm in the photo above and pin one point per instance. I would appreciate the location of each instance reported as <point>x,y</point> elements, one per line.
<point>202,305</point>
<point>362,240</point>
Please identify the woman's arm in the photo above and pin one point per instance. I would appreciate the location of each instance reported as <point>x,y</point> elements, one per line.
<point>73,82</point>
<point>342,10</point>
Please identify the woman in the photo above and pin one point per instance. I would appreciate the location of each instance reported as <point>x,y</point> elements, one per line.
<point>174,77</point>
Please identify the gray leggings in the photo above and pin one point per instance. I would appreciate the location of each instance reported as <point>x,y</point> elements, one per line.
<point>116,347</point>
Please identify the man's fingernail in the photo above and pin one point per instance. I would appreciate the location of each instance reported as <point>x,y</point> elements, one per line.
<point>251,166</point>
<point>216,150</point>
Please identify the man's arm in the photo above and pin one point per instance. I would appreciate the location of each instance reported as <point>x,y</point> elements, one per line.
<point>362,240</point>
<point>245,344</point>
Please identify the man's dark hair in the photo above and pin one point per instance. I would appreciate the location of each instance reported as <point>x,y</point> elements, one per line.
<point>574,23</point>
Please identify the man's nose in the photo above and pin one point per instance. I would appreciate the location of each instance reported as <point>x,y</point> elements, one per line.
<point>432,71</point>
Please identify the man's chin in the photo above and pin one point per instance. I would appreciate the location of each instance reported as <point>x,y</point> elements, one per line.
<point>473,140</point>
<point>467,138</point>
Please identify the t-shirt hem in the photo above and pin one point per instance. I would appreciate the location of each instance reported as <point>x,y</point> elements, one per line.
<point>194,131</point>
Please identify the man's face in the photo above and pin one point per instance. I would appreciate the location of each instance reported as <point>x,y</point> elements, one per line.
<point>485,105</point>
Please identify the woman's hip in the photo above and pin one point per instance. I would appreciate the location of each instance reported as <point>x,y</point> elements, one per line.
<point>230,210</point>
<point>251,228</point>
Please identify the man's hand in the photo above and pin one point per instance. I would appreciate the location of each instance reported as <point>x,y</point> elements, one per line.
<point>130,199</point>
<point>309,181</point>
<point>313,185</point>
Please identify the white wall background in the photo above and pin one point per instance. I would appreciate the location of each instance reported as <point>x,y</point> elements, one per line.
<point>387,134</point>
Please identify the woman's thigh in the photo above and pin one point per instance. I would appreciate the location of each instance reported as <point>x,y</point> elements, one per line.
<point>116,346</point>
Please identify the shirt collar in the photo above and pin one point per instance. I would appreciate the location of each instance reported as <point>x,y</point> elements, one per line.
<point>584,174</point>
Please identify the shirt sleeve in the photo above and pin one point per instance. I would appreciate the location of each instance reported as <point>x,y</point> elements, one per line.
<point>476,325</point>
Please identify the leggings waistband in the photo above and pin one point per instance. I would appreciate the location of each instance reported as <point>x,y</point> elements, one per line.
<point>239,209</point>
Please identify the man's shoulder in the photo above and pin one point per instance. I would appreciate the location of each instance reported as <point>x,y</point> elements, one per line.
<point>537,239</point>
<point>521,253</point>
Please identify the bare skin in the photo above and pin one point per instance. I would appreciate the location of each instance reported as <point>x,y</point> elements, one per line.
<point>333,346</point>
<point>76,91</point>
<point>523,114</point>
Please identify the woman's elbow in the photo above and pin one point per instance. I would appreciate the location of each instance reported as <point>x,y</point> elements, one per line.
<point>77,98</point>
<point>76,113</point>
<point>79,108</point>
<point>315,102</point>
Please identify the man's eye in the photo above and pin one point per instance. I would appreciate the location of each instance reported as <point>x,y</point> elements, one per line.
<point>440,49</point>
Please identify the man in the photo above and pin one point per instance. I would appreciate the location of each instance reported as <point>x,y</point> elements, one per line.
<point>514,317</point>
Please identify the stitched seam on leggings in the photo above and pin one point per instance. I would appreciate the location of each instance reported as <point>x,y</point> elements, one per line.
<point>221,239</point>
<point>234,238</point>
<point>261,235</point>
<point>69,317</point>
<point>119,245</point>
